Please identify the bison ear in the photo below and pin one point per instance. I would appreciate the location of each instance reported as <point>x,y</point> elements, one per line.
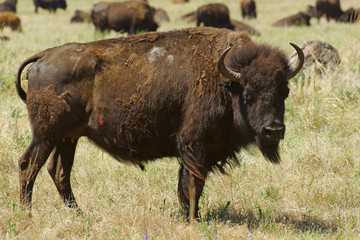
<point>230,87</point>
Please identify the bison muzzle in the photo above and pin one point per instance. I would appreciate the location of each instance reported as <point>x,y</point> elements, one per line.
<point>198,94</point>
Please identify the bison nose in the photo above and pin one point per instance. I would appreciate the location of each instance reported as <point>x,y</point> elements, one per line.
<point>273,133</point>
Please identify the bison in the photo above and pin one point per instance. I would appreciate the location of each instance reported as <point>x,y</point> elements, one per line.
<point>180,1</point>
<point>330,8</point>
<point>160,15</point>
<point>248,9</point>
<point>198,94</point>
<point>214,15</point>
<point>8,6</point>
<point>4,38</point>
<point>131,16</point>
<point>350,16</point>
<point>189,17</point>
<point>294,20</point>
<point>311,11</point>
<point>9,19</point>
<point>50,5</point>
<point>242,27</point>
<point>80,16</point>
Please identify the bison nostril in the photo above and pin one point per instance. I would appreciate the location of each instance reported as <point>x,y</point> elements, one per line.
<point>277,132</point>
<point>268,131</point>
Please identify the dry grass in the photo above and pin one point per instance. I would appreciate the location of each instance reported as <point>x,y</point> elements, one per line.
<point>313,194</point>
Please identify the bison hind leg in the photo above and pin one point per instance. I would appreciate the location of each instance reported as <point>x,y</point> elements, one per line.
<point>59,169</point>
<point>30,164</point>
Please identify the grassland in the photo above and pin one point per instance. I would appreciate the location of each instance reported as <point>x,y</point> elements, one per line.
<point>313,194</point>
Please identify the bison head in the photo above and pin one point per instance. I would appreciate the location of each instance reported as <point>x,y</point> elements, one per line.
<point>62,4</point>
<point>259,77</point>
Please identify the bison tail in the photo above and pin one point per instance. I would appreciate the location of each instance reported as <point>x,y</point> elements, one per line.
<point>20,91</point>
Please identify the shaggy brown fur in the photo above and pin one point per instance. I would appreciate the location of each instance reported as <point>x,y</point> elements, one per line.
<point>150,96</point>
<point>299,19</point>
<point>248,9</point>
<point>214,15</point>
<point>129,16</point>
<point>80,16</point>
<point>8,6</point>
<point>9,19</point>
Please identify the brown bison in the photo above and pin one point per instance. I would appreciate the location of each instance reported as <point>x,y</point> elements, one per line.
<point>214,15</point>
<point>242,27</point>
<point>8,6</point>
<point>80,16</point>
<point>198,94</point>
<point>9,19</point>
<point>311,11</point>
<point>160,15</point>
<point>4,38</point>
<point>248,9</point>
<point>180,1</point>
<point>330,8</point>
<point>131,16</point>
<point>298,19</point>
<point>189,17</point>
<point>50,5</point>
<point>350,16</point>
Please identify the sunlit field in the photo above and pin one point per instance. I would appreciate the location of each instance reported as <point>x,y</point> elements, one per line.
<point>314,193</point>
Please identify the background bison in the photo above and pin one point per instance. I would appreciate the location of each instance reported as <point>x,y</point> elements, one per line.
<point>129,97</point>
<point>329,8</point>
<point>81,16</point>
<point>50,5</point>
<point>8,6</point>
<point>214,15</point>
<point>298,19</point>
<point>125,16</point>
<point>9,19</point>
<point>248,9</point>
<point>351,15</point>
<point>242,27</point>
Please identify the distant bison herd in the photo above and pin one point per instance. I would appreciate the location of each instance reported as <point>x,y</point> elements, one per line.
<point>200,94</point>
<point>134,16</point>
<point>331,9</point>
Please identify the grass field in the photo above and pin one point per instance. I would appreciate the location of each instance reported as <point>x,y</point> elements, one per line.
<point>313,194</point>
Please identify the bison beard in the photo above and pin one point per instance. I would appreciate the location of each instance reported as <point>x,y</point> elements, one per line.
<point>183,94</point>
<point>271,152</point>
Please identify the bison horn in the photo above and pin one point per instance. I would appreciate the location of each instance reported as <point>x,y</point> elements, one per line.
<point>231,75</point>
<point>295,68</point>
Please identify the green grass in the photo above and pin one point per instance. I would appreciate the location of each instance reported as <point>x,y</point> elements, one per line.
<point>313,194</point>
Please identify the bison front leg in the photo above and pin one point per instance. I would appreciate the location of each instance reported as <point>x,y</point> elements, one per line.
<point>30,164</point>
<point>187,183</point>
<point>59,169</point>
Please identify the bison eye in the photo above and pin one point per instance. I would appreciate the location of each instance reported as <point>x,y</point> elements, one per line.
<point>249,97</point>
